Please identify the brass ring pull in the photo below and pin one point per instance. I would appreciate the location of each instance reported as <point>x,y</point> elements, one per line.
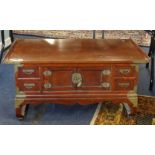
<point>105,85</point>
<point>106,72</point>
<point>77,79</point>
<point>47,73</point>
<point>124,71</point>
<point>29,85</point>
<point>28,71</point>
<point>124,85</point>
<point>47,85</point>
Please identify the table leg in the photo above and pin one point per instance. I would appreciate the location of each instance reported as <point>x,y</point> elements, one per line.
<point>150,51</point>
<point>94,34</point>
<point>102,34</point>
<point>152,71</point>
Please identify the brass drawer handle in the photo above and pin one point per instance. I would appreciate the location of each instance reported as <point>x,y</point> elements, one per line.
<point>124,71</point>
<point>47,73</point>
<point>105,85</point>
<point>47,85</point>
<point>29,85</point>
<point>77,79</point>
<point>106,72</point>
<point>28,71</point>
<point>124,85</point>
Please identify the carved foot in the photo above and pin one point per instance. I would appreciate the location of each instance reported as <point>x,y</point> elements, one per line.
<point>21,109</point>
<point>20,112</point>
<point>130,110</point>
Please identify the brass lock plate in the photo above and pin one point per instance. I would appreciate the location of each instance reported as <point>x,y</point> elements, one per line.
<point>77,79</point>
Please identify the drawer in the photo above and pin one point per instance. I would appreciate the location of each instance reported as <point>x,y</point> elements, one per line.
<point>123,84</point>
<point>28,72</point>
<point>29,85</point>
<point>124,71</point>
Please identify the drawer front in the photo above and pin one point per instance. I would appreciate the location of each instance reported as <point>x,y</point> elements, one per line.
<point>57,79</point>
<point>122,85</point>
<point>124,71</point>
<point>29,85</point>
<point>28,72</point>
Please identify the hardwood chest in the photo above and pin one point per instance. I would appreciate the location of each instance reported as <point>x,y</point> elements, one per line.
<point>66,71</point>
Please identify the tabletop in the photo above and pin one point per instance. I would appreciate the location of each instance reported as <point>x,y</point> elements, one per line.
<point>75,51</point>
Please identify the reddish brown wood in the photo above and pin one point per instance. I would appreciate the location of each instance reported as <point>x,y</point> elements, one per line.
<point>45,69</point>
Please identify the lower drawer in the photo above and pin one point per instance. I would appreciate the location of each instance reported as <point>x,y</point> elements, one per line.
<point>29,85</point>
<point>123,84</point>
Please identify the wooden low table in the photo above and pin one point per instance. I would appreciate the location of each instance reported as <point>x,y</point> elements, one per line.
<point>84,71</point>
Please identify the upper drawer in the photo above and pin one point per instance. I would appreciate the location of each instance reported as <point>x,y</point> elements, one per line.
<point>28,72</point>
<point>124,71</point>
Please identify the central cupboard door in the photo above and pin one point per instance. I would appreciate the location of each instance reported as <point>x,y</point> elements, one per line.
<point>76,79</point>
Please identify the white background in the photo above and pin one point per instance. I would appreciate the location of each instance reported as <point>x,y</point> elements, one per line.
<point>77,15</point>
